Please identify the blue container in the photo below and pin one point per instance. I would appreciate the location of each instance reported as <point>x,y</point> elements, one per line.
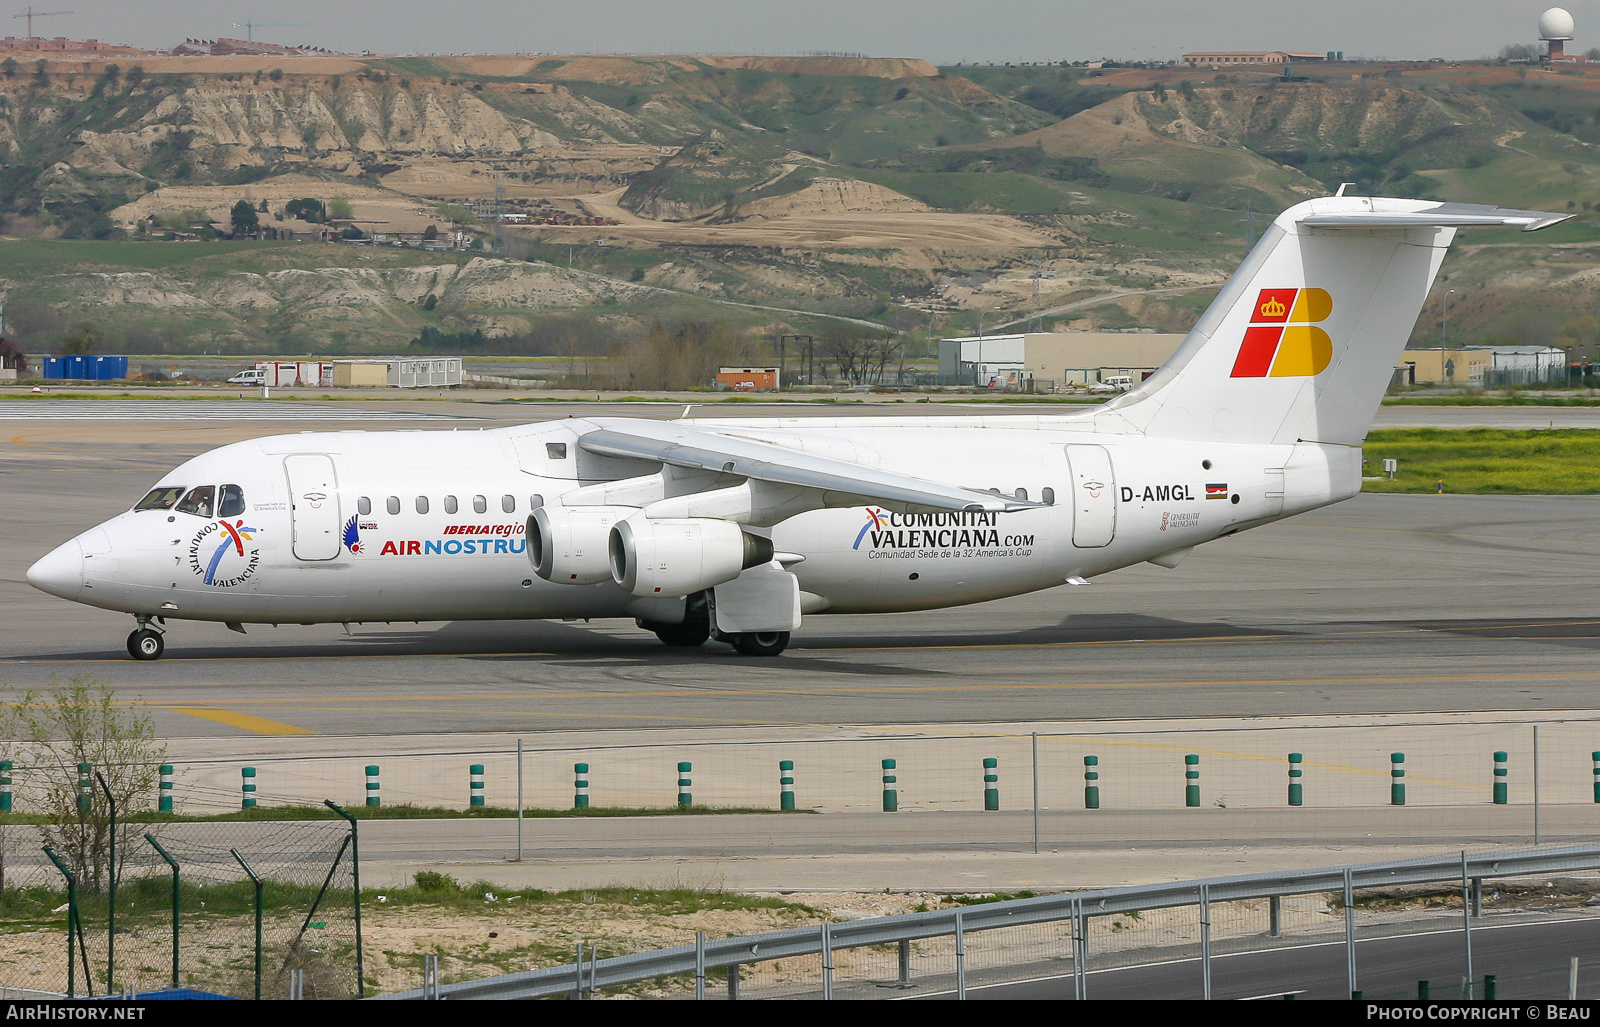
<point>77,368</point>
<point>55,368</point>
<point>106,369</point>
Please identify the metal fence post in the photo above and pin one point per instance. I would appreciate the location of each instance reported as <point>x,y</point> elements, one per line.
<point>164,803</point>
<point>1275,916</point>
<point>1536,784</point>
<point>580,786</point>
<point>991,784</point>
<point>786,785</point>
<point>1091,782</point>
<point>475,786</point>
<point>685,797</point>
<point>1080,951</point>
<point>1397,779</point>
<point>1036,792</point>
<point>891,794</point>
<point>827,962</point>
<point>1350,931</point>
<point>961,960</point>
<point>373,798</point>
<point>1500,789</point>
<point>257,881</point>
<point>905,963</point>
<point>176,894</point>
<point>247,788</point>
<point>74,927</point>
<point>1466,918</point>
<point>1191,777</point>
<point>111,886</point>
<point>733,982</point>
<point>699,965</point>
<point>355,873</point>
<point>1205,942</point>
<point>1296,796</point>
<point>521,804</point>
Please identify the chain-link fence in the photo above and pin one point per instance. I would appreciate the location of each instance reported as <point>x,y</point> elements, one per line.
<point>184,913</point>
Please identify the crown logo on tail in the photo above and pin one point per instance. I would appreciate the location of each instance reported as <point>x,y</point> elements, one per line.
<point>1273,308</point>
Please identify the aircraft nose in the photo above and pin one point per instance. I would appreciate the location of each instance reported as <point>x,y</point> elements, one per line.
<point>60,571</point>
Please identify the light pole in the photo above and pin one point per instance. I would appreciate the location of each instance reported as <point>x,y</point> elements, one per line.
<point>1444,327</point>
<point>978,373</point>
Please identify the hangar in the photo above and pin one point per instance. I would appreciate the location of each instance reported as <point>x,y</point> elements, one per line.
<point>1052,359</point>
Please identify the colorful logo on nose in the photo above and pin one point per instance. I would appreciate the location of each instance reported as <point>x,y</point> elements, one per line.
<point>1283,340</point>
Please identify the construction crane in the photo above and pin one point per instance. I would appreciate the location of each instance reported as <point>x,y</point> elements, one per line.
<point>251,26</point>
<point>29,13</point>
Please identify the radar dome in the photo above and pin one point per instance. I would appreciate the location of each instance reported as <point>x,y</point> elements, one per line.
<point>1555,23</point>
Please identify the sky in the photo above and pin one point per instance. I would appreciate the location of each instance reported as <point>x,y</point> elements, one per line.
<point>943,31</point>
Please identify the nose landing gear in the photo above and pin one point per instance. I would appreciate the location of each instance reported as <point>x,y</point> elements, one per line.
<point>146,643</point>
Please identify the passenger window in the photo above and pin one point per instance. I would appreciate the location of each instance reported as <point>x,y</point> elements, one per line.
<point>1048,495</point>
<point>508,504</point>
<point>199,501</point>
<point>364,506</point>
<point>535,501</point>
<point>1022,494</point>
<point>231,503</point>
<point>392,504</point>
<point>161,498</point>
<point>480,504</point>
<point>449,504</point>
<point>556,450</point>
<point>422,504</point>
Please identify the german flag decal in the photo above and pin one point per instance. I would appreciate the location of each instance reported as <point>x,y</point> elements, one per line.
<point>1283,340</point>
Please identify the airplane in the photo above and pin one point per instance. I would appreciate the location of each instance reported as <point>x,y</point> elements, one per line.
<point>736,529</point>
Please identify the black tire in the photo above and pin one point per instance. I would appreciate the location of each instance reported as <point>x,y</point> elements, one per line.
<point>761,643</point>
<point>145,644</point>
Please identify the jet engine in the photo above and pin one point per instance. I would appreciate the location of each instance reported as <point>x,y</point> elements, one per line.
<point>567,544</point>
<point>677,556</point>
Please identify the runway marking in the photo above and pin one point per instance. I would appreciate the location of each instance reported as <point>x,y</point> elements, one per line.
<point>257,725</point>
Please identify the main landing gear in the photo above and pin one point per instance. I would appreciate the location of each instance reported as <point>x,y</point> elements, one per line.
<point>696,630</point>
<point>146,643</point>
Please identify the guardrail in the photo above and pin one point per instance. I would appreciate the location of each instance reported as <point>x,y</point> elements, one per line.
<point>1078,907</point>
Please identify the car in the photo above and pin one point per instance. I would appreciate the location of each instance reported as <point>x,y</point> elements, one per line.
<point>1112,384</point>
<point>249,376</point>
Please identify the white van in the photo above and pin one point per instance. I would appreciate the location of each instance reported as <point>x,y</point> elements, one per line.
<point>251,376</point>
<point>1113,383</point>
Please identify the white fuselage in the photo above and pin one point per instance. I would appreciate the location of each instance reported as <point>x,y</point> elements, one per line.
<point>381,544</point>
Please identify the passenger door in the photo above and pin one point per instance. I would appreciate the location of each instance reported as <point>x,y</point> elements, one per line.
<point>1094,496</point>
<point>313,505</point>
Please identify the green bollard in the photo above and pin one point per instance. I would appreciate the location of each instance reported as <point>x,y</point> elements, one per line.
<point>786,785</point>
<point>1500,796</point>
<point>1091,782</point>
<point>991,784</point>
<point>247,788</point>
<point>1397,775</point>
<point>164,803</point>
<point>83,789</point>
<point>475,785</point>
<point>1596,776</point>
<point>373,798</point>
<point>891,796</point>
<point>1295,773</point>
<point>685,800</point>
<point>1422,991</point>
<point>1191,776</point>
<point>580,786</point>
<point>5,786</point>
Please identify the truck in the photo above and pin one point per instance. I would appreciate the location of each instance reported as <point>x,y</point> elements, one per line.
<point>285,373</point>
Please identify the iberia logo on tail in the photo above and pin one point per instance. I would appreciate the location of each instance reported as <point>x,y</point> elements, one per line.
<point>1283,341</point>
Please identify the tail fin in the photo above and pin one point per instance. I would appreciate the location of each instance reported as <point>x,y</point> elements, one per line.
<point>1301,343</point>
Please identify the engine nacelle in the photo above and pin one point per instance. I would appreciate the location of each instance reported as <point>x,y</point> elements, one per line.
<point>677,556</point>
<point>568,544</point>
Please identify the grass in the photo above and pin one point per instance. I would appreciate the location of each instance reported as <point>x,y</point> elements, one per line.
<point>1487,461</point>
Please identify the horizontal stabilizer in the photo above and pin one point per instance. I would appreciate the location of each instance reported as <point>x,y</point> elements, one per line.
<point>1445,215</point>
<point>698,449</point>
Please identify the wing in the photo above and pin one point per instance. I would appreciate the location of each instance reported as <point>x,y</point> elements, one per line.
<point>698,449</point>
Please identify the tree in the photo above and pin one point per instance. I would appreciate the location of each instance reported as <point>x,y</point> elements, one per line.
<point>1519,52</point>
<point>339,208</point>
<point>261,208</point>
<point>31,323</point>
<point>244,218</point>
<point>82,722</point>
<point>307,209</point>
<point>8,67</point>
<point>81,340</point>
<point>431,232</point>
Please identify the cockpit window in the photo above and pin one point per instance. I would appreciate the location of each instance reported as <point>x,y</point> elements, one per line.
<point>199,501</point>
<point>161,498</point>
<point>231,504</point>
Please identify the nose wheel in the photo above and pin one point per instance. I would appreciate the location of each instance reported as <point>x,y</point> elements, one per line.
<point>146,644</point>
